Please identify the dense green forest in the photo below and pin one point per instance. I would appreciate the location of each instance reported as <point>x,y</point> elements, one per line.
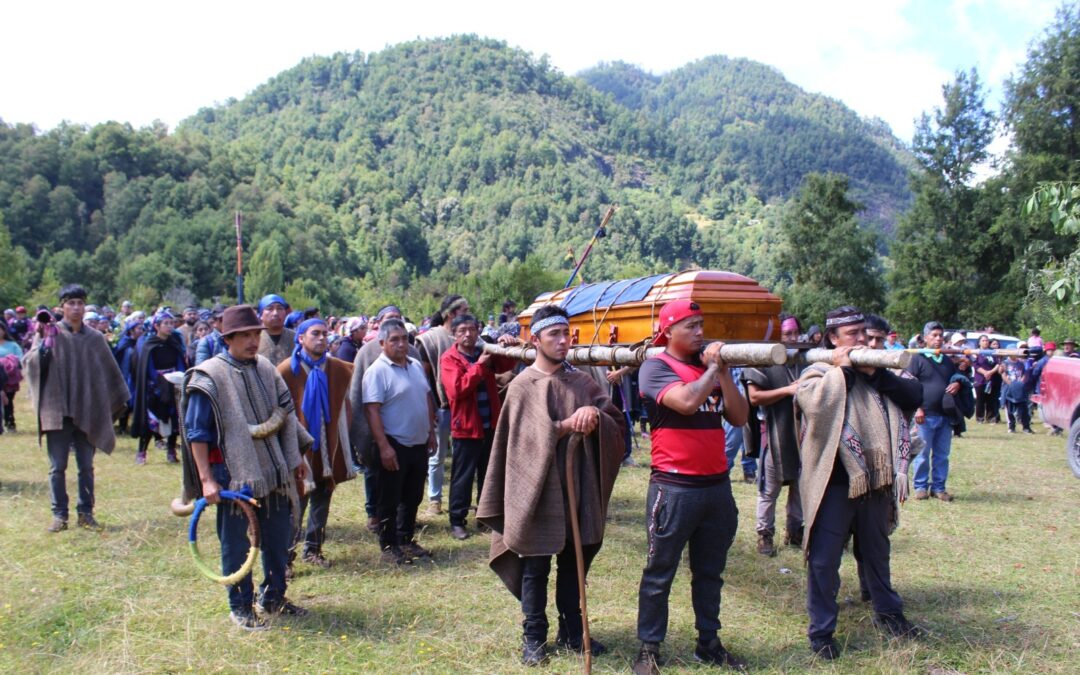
<point>462,164</point>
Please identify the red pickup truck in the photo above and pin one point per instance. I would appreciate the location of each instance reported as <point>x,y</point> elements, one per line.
<point>1059,402</point>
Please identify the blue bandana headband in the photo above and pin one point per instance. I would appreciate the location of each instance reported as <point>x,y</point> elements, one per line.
<point>161,316</point>
<point>304,327</point>
<point>556,320</point>
<point>270,299</point>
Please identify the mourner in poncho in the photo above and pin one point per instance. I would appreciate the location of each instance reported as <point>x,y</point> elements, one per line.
<point>551,412</point>
<point>854,473</point>
<point>319,386</point>
<point>154,402</point>
<point>77,390</point>
<point>242,433</point>
<point>276,342</point>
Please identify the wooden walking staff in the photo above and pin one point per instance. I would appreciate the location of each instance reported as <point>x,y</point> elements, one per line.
<point>575,530</point>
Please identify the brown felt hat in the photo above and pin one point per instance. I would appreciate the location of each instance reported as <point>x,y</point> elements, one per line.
<point>239,318</point>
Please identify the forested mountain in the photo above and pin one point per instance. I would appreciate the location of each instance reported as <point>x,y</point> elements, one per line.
<point>739,120</point>
<point>434,164</point>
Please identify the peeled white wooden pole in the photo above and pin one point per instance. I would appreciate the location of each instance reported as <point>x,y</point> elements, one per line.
<point>743,354</point>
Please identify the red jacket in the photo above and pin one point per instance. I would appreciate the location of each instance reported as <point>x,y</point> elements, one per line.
<point>461,379</point>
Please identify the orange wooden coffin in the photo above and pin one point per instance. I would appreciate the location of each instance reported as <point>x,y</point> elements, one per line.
<point>736,308</point>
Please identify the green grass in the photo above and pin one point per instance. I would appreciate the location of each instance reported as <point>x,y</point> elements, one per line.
<point>995,577</point>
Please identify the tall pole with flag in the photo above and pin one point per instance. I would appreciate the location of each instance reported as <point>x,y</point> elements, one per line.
<point>239,263</point>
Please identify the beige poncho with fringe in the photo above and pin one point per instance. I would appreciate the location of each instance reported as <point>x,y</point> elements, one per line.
<point>866,439</point>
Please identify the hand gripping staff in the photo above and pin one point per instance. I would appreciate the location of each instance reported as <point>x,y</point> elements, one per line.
<point>247,504</point>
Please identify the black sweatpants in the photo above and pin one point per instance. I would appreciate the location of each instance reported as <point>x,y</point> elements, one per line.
<point>469,464</point>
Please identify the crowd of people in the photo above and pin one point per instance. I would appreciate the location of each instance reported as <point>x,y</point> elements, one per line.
<point>286,406</point>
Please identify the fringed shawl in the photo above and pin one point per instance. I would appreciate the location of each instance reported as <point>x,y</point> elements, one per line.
<point>867,439</point>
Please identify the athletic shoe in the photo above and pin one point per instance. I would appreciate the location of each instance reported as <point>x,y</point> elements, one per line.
<point>533,652</point>
<point>58,525</point>
<point>316,558</point>
<point>140,458</point>
<point>943,496</point>
<point>922,494</point>
<point>434,508</point>
<point>562,641</point>
<point>414,550</point>
<point>765,544</point>
<point>458,532</point>
<point>394,555</point>
<point>286,608</point>
<point>897,626</point>
<point>245,619</point>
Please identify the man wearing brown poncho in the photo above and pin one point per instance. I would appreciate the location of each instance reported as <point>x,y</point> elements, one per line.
<point>553,413</point>
<point>77,390</point>
<point>854,474</point>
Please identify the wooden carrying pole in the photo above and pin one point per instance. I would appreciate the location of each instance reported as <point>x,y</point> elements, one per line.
<point>741,354</point>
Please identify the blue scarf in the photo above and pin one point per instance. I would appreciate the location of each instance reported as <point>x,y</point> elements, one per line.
<point>316,402</point>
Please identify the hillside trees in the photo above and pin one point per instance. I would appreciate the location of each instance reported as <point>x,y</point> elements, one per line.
<point>946,262</point>
<point>831,259</point>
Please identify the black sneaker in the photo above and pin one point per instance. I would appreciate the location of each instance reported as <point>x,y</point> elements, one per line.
<point>897,626</point>
<point>648,659</point>
<point>394,555</point>
<point>245,619</point>
<point>825,648</point>
<point>533,652</point>
<point>562,641</point>
<point>713,652</point>
<point>286,608</point>
<point>414,550</point>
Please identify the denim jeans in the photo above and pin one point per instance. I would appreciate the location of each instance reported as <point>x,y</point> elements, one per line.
<point>733,442</point>
<point>275,527</point>
<point>59,445</point>
<point>703,517</point>
<point>436,464</point>
<point>931,466</point>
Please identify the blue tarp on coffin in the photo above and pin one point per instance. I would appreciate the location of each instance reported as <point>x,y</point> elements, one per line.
<point>605,293</point>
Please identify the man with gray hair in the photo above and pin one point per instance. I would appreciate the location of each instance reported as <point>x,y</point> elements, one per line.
<point>935,373</point>
<point>400,411</point>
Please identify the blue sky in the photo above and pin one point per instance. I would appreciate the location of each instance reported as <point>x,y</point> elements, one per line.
<point>140,61</point>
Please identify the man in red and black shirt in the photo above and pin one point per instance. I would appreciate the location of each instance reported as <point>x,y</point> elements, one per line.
<point>688,392</point>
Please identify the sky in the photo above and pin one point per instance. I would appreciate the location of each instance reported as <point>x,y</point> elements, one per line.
<point>90,62</point>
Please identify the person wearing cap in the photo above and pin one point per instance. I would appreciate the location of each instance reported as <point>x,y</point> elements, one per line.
<point>224,398</point>
<point>353,340</point>
<point>154,402</point>
<point>854,476</point>
<point>400,411</point>
<point>1068,348</point>
<point>934,372</point>
<point>211,345</point>
<point>276,342</point>
<point>773,390</point>
<point>432,345</point>
<point>319,386</point>
<point>892,341</point>
<point>552,412</point>
<point>365,454</point>
<point>688,394</point>
<point>77,390</point>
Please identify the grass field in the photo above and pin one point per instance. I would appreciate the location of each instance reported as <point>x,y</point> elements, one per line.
<point>994,577</point>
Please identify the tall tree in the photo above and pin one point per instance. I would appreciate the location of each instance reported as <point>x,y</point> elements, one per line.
<point>264,273</point>
<point>944,261</point>
<point>13,275</point>
<point>830,258</point>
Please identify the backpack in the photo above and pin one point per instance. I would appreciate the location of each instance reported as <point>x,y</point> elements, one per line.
<point>13,370</point>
